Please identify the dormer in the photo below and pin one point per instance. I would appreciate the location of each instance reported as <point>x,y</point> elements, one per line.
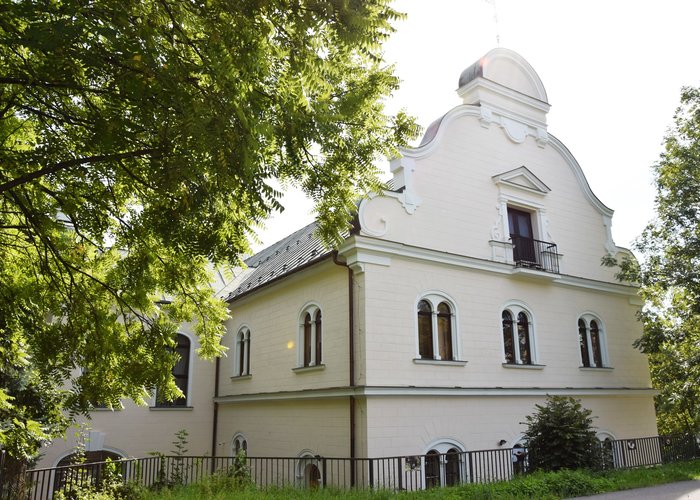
<point>521,233</point>
<point>509,93</point>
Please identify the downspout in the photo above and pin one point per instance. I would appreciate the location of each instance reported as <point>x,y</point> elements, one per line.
<point>351,361</point>
<point>215,422</point>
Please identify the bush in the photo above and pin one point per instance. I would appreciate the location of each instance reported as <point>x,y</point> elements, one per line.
<point>560,436</point>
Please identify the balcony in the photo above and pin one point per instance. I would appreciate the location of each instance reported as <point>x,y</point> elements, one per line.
<point>535,254</point>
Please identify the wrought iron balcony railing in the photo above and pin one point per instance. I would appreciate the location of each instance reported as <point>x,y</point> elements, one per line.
<point>535,254</point>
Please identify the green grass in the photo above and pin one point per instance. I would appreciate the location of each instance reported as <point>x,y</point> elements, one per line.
<point>553,485</point>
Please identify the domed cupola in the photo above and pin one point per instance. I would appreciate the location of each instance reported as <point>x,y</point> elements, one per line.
<point>509,93</point>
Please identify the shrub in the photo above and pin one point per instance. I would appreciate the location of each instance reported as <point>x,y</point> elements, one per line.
<point>560,436</point>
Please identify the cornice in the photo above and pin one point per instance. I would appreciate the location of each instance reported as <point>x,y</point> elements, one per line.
<point>359,250</point>
<point>462,392</point>
<point>498,88</point>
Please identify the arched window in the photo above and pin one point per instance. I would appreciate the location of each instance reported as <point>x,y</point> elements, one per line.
<point>508,345</point>
<point>242,357</point>
<point>425,330</point>
<point>453,472</point>
<point>84,468</point>
<point>312,476</point>
<point>181,373</point>
<point>591,342</point>
<point>311,337</point>
<point>239,444</point>
<point>608,449</point>
<point>436,328</point>
<point>308,472</point>
<point>444,465</point>
<point>432,469</point>
<point>518,338</point>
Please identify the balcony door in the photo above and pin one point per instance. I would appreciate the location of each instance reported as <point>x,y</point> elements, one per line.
<point>520,224</point>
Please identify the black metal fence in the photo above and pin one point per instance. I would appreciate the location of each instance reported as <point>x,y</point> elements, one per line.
<point>392,473</point>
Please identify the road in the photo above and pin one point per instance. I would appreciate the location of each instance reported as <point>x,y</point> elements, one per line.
<point>671,491</point>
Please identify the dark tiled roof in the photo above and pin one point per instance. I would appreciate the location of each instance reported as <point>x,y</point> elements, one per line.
<point>284,257</point>
<point>431,131</point>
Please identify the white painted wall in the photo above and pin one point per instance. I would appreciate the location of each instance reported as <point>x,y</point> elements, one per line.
<point>409,425</point>
<point>272,315</point>
<point>136,431</point>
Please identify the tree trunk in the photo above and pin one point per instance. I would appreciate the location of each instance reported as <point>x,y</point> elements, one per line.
<point>13,478</point>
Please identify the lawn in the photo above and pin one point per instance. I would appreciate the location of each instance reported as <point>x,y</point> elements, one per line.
<point>563,484</point>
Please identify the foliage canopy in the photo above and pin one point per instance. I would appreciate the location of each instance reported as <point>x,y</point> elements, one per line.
<point>670,274</point>
<point>139,141</point>
<point>560,436</point>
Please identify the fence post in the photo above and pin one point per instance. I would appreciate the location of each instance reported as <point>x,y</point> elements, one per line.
<point>470,479</point>
<point>371,473</point>
<point>399,472</point>
<point>323,472</point>
<point>2,470</point>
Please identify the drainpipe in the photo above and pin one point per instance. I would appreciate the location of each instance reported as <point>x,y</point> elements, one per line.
<point>351,361</point>
<point>215,422</point>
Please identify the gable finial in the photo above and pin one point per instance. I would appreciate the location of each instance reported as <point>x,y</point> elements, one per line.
<point>495,20</point>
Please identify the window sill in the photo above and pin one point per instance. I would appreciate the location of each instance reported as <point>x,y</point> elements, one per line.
<point>596,368</point>
<point>236,378</point>
<point>306,369</point>
<point>171,408</point>
<point>442,362</point>
<point>523,367</point>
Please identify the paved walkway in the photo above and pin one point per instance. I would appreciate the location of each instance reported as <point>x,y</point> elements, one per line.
<point>671,491</point>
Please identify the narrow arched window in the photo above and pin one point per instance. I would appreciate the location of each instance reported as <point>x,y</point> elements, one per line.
<point>425,330</point>
<point>432,469</point>
<point>508,345</point>
<point>453,474</point>
<point>181,372</point>
<point>242,359</point>
<point>524,339</point>
<point>310,346</point>
<point>307,339</point>
<point>319,337</point>
<point>595,343</point>
<point>518,342</point>
<point>444,324</point>
<point>583,343</point>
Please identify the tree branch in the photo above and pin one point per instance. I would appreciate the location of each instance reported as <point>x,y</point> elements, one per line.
<point>8,80</point>
<point>57,167</point>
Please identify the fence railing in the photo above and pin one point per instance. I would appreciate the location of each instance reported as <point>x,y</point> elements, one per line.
<point>392,473</point>
<point>535,254</point>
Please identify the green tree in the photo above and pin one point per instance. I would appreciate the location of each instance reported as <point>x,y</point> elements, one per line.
<point>669,274</point>
<point>139,143</point>
<point>560,436</point>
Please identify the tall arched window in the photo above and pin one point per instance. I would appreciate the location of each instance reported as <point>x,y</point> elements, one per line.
<point>181,373</point>
<point>242,356</point>
<point>436,328</point>
<point>518,339</point>
<point>591,339</point>
<point>425,330</point>
<point>311,337</point>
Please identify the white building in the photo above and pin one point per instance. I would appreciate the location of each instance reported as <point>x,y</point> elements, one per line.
<point>464,295</point>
